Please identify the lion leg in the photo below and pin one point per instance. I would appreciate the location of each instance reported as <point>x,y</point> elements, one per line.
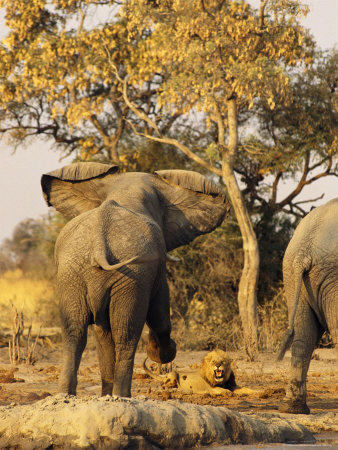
<point>245,391</point>
<point>214,391</point>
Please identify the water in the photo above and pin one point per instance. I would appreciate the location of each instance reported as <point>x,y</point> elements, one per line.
<point>323,441</point>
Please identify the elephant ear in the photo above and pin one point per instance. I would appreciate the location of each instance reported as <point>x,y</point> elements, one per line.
<point>193,205</point>
<point>78,187</point>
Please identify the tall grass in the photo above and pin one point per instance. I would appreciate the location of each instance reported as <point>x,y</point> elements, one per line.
<point>273,321</point>
<point>207,322</point>
<point>33,297</point>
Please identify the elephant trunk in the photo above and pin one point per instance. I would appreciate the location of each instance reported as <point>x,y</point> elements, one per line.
<point>150,373</point>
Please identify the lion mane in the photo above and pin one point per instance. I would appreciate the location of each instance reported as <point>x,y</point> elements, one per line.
<point>215,376</point>
<point>216,370</point>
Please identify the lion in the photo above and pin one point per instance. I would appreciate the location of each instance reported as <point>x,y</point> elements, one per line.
<point>215,377</point>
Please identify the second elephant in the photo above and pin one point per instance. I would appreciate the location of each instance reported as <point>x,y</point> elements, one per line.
<point>310,272</point>
<point>111,259</point>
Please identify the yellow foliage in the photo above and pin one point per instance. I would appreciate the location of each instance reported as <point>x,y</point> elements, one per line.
<point>33,297</point>
<point>205,52</point>
<point>215,49</point>
<point>42,57</point>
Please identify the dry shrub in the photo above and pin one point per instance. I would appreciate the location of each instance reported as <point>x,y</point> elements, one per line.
<point>203,287</point>
<point>273,322</point>
<point>19,352</point>
<point>207,325</point>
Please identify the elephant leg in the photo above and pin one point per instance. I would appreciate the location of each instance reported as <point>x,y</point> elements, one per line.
<point>74,342</point>
<point>74,324</point>
<point>307,335</point>
<point>331,315</point>
<point>161,348</point>
<point>127,317</point>
<point>106,352</point>
<point>124,369</point>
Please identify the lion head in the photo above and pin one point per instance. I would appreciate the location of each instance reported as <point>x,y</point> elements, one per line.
<point>216,368</point>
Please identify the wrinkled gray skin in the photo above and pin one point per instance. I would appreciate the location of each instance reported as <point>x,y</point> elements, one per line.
<point>111,260</point>
<point>310,271</point>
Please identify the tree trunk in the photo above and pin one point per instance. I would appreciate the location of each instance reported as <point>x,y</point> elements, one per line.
<point>247,298</point>
<point>247,292</point>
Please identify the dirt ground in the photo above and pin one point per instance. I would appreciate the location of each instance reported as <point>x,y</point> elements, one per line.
<point>24,384</point>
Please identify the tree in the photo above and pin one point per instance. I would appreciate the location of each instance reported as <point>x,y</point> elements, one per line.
<point>297,141</point>
<point>217,57</point>
<point>31,247</point>
<point>192,72</point>
<point>55,77</point>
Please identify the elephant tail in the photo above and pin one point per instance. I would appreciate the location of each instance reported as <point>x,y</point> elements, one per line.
<point>101,254</point>
<point>287,340</point>
<point>101,261</point>
<point>286,343</point>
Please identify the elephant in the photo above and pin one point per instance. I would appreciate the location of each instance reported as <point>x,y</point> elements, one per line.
<point>111,260</point>
<point>310,276</point>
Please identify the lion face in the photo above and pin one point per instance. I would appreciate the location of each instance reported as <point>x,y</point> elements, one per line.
<point>216,368</point>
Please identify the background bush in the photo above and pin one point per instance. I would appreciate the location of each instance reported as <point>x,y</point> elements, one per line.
<point>203,285</point>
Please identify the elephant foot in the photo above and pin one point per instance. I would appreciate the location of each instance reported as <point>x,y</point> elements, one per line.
<point>66,387</point>
<point>161,353</point>
<point>107,388</point>
<point>294,407</point>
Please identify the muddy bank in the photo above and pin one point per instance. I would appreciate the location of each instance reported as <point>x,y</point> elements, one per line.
<point>113,422</point>
<point>32,386</point>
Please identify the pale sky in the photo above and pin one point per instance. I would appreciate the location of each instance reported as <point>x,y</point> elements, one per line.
<point>20,172</point>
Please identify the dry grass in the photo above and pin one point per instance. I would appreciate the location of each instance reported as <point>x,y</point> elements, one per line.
<point>207,326</point>
<point>273,322</point>
<point>18,352</point>
<point>34,298</point>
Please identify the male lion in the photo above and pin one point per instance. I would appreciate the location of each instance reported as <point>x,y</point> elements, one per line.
<point>215,377</point>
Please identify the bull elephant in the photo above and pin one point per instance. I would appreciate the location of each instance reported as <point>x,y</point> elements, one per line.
<point>111,260</point>
<point>310,272</point>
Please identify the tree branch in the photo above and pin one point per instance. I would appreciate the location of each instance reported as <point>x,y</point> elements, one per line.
<point>82,19</point>
<point>159,138</point>
<point>180,146</point>
<point>261,12</point>
<point>274,187</point>
<point>305,182</point>
<point>300,185</point>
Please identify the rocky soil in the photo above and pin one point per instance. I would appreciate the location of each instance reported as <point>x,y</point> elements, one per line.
<point>28,388</point>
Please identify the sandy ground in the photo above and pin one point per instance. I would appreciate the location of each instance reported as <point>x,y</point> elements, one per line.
<point>26,384</point>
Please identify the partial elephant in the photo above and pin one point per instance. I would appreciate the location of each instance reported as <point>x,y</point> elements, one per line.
<point>111,260</point>
<point>310,272</point>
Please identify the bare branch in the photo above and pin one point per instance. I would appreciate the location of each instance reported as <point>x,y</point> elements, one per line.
<point>166,127</point>
<point>299,215</point>
<point>275,185</point>
<point>300,185</point>
<point>305,182</point>
<point>160,138</point>
<point>140,114</point>
<point>312,200</point>
<point>262,12</point>
<point>82,18</point>
<point>184,149</point>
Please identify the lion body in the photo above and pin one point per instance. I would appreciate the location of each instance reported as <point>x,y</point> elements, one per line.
<point>215,377</point>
